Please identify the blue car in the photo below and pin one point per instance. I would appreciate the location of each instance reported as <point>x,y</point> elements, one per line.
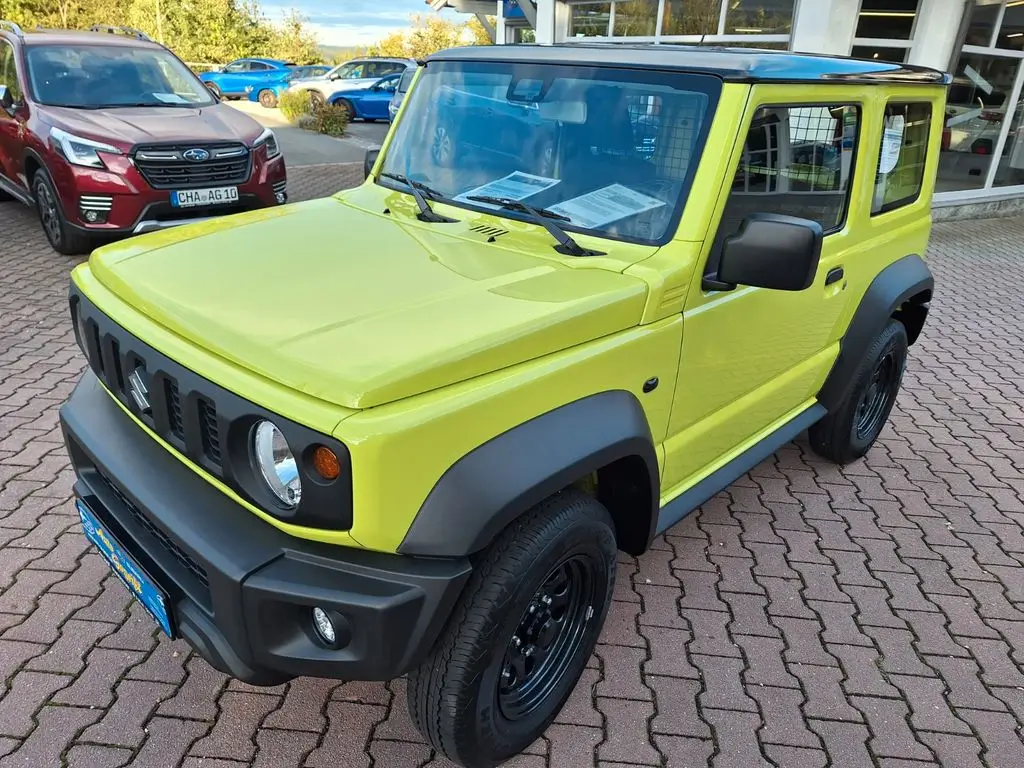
<point>268,93</point>
<point>231,80</point>
<point>370,102</point>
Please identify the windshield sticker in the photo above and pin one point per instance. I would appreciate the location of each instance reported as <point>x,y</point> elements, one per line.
<point>516,186</point>
<point>892,143</point>
<point>170,98</point>
<point>603,206</point>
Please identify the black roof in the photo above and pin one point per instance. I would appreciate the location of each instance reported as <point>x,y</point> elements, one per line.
<point>745,65</point>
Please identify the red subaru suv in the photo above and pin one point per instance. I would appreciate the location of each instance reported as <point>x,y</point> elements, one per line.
<point>107,133</point>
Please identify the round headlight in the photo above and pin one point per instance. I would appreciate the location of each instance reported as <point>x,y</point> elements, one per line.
<point>276,463</point>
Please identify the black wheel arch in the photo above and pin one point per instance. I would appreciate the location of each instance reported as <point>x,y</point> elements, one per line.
<point>901,291</point>
<point>602,441</point>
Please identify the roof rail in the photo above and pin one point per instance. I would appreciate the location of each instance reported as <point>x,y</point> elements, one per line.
<point>4,24</point>
<point>114,29</point>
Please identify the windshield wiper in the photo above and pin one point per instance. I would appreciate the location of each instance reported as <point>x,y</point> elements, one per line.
<point>545,218</point>
<point>418,190</point>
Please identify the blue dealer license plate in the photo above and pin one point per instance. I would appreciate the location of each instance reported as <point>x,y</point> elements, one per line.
<point>142,587</point>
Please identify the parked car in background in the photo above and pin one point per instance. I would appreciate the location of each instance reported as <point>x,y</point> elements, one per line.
<point>403,86</point>
<point>235,80</point>
<point>356,73</point>
<point>111,134</point>
<point>268,93</point>
<point>370,102</point>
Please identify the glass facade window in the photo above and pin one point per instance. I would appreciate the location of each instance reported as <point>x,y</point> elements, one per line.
<point>758,17</point>
<point>590,19</point>
<point>635,18</point>
<point>1011,31</point>
<point>977,103</point>
<point>878,53</point>
<point>887,19</point>
<point>982,24</point>
<point>691,17</point>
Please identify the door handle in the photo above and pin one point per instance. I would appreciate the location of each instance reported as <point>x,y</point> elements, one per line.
<point>834,275</point>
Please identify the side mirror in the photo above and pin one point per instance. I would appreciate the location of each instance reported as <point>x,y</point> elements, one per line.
<point>369,160</point>
<point>6,99</point>
<point>769,251</point>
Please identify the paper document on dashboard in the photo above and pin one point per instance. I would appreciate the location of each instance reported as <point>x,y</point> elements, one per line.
<point>605,205</point>
<point>516,186</point>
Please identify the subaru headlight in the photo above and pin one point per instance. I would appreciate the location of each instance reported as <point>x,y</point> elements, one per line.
<point>277,464</point>
<point>269,140</point>
<point>81,151</point>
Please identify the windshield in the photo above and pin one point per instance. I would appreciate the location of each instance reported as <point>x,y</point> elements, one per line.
<point>100,76</point>
<point>611,150</point>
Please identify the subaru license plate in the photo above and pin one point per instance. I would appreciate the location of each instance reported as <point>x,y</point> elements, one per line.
<point>190,198</point>
<point>142,587</point>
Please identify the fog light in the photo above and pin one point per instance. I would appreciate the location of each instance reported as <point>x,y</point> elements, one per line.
<point>91,216</point>
<point>280,197</point>
<point>332,629</point>
<point>324,626</point>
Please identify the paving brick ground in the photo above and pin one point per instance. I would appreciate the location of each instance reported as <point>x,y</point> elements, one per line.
<point>809,616</point>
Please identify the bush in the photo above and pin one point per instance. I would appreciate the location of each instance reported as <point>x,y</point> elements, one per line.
<point>295,105</point>
<point>330,119</point>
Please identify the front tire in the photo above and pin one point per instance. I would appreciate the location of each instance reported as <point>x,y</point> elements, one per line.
<point>63,238</point>
<point>350,110</point>
<point>267,99</point>
<point>849,432</point>
<point>521,634</point>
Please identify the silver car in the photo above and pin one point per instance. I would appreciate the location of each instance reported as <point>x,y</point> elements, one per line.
<point>355,73</point>
<point>403,85</point>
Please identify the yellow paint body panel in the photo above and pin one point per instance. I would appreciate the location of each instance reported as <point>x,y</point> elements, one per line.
<point>414,343</point>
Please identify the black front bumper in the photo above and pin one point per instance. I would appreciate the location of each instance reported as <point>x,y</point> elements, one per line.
<point>241,591</point>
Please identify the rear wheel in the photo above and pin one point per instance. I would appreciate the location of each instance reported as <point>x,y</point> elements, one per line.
<point>849,432</point>
<point>268,99</point>
<point>521,634</point>
<point>63,237</point>
<point>350,110</point>
<point>316,99</point>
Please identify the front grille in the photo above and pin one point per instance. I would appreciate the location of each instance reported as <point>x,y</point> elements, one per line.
<point>179,554</point>
<point>208,431</point>
<point>167,167</point>
<point>175,419</point>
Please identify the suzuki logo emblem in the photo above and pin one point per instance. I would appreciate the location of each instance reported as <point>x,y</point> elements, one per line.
<point>196,155</point>
<point>138,390</point>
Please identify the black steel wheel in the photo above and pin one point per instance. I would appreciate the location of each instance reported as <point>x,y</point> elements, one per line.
<point>521,634</point>
<point>878,397</point>
<point>849,430</point>
<point>547,638</point>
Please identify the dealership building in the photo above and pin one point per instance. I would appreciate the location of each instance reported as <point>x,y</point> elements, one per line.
<point>980,42</point>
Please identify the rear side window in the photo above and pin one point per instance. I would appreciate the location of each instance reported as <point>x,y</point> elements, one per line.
<point>797,161</point>
<point>901,160</point>
<point>8,70</point>
<point>406,79</point>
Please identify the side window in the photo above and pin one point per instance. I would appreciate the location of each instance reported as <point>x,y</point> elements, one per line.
<point>8,70</point>
<point>901,159</point>
<point>797,161</point>
<point>258,66</point>
<point>237,66</point>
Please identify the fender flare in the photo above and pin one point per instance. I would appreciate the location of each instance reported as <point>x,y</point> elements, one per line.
<point>498,481</point>
<point>885,298</point>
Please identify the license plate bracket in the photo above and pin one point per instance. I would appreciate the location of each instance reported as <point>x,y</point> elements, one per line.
<point>135,578</point>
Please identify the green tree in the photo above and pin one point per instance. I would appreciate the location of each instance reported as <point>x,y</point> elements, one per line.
<point>429,34</point>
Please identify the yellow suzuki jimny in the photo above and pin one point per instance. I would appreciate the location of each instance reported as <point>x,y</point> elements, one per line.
<point>404,430</point>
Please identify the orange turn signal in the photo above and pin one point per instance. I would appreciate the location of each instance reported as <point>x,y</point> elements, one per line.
<point>326,462</point>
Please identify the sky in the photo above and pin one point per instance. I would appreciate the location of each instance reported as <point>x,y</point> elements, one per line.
<point>350,22</point>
